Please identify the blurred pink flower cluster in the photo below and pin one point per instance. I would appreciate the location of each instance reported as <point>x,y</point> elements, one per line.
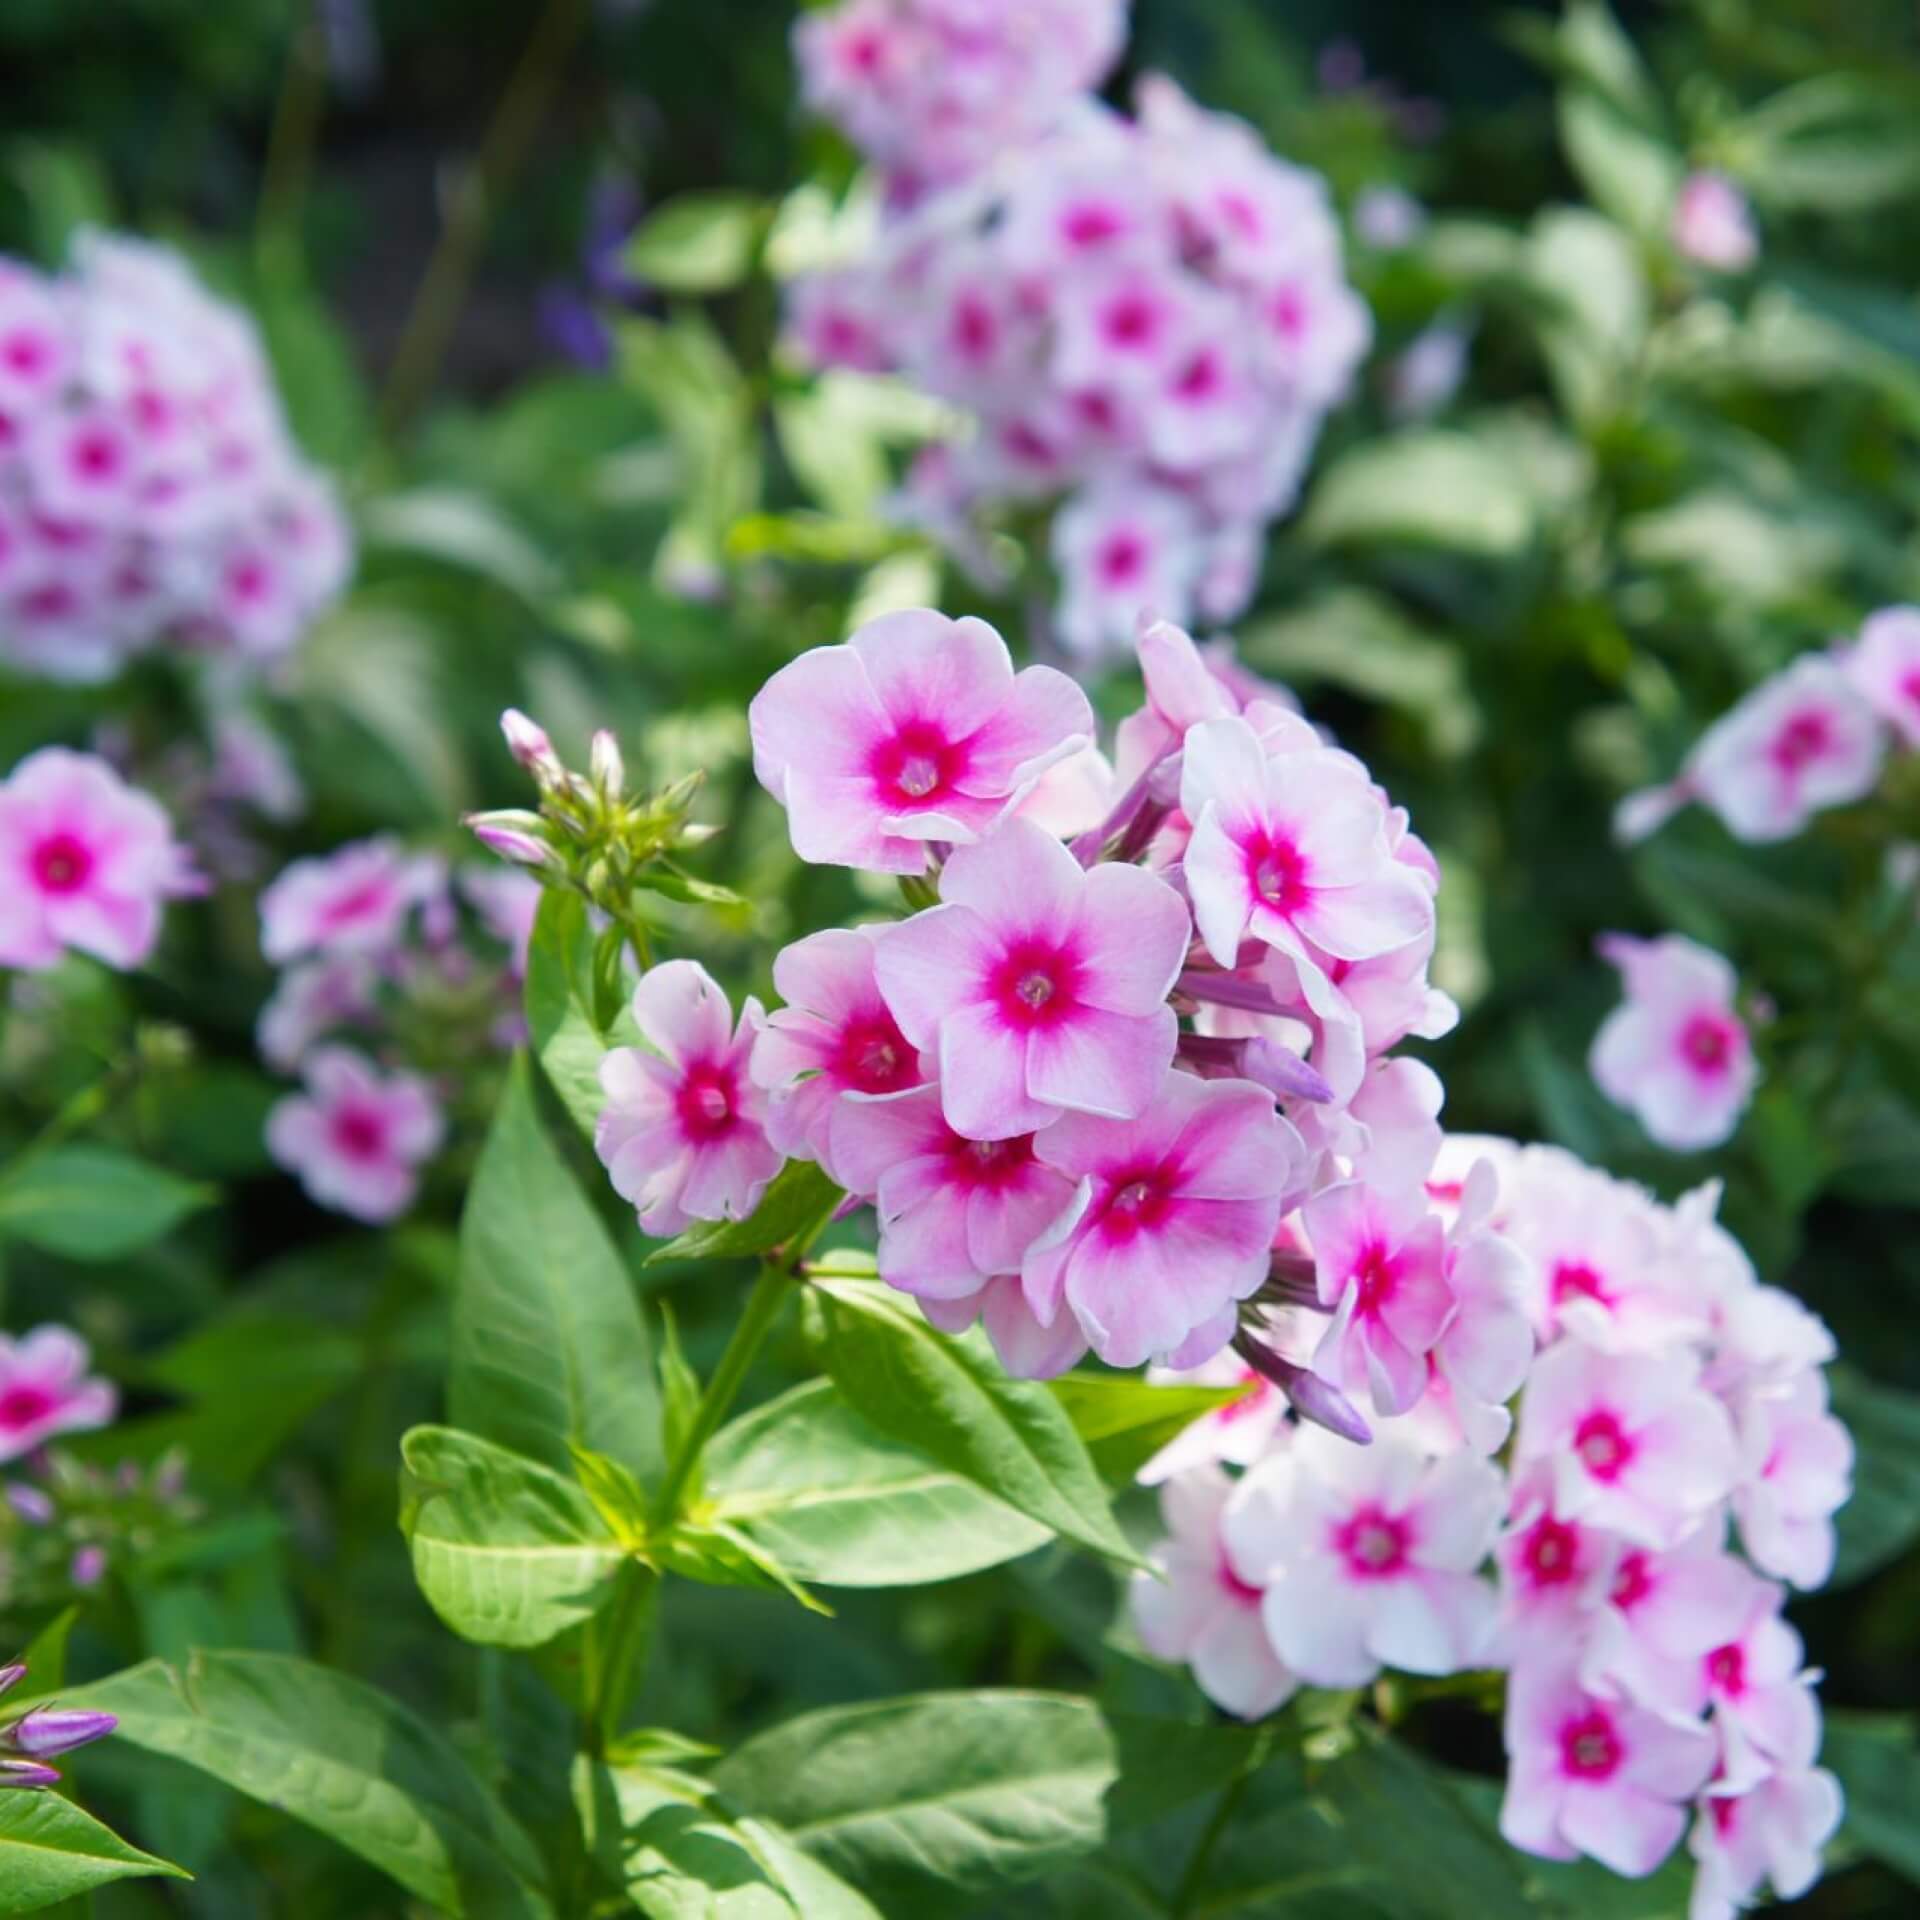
<point>1145,320</point>
<point>1664,1398</point>
<point>931,90</point>
<point>150,493</point>
<point>396,970</point>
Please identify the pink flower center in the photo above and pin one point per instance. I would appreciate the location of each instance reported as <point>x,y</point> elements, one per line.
<point>705,1103</point>
<point>363,902</point>
<point>1035,984</point>
<point>916,763</point>
<point>1910,688</point>
<point>1027,444</point>
<point>26,353</point>
<point>24,1404</point>
<point>1373,1543</point>
<point>1201,379</point>
<point>1551,1554</point>
<point>360,1133</point>
<point>1130,322</point>
<point>1239,213</point>
<point>863,53</point>
<point>1254,1395</point>
<point>1137,1202</point>
<point>1576,1280</point>
<point>873,1055</point>
<point>1122,559</point>
<point>1236,1589</point>
<point>1288,312</point>
<point>1092,224</point>
<point>248,582</point>
<point>1375,1275</point>
<point>51,600</point>
<point>1706,1044</point>
<point>1727,1671</point>
<point>62,863</point>
<point>1632,1583</point>
<point>1098,412</point>
<point>976,332</point>
<point>1801,741</point>
<point>1589,1747</point>
<point>1277,872</point>
<point>1602,1444</point>
<point>95,456</point>
<point>974,1165</point>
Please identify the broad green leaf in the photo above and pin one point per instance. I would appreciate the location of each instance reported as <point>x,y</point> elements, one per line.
<point>1830,144</point>
<point>344,1759</point>
<point>1877,1759</point>
<point>506,1553</point>
<point>1430,488</point>
<point>549,1349</point>
<point>717,1553</point>
<point>50,1850</point>
<point>1882,1518</point>
<point>1631,174</point>
<point>683,1853</point>
<point>699,242</point>
<point>950,1399</point>
<point>1589,273</point>
<point>1125,1421</point>
<point>835,1501</point>
<point>970,1790</point>
<point>561,1007</point>
<point>93,1203</point>
<point>798,1202</point>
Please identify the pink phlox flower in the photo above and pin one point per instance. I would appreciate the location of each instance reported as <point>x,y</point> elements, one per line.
<point>1795,1472</point>
<point>1675,1053</point>
<point>1237,1434</point>
<point>1588,1774</point>
<point>1486,1348</point>
<point>683,1133</point>
<point>1025,1348</point>
<point>1380,1263</point>
<point>1172,1220</point>
<point>312,999</point>
<point>1884,666</point>
<point>1765,1713</point>
<point>1369,1556</point>
<point>1040,986</point>
<point>834,1037</point>
<point>1124,548</point>
<point>1775,1831</point>
<point>1555,1574</point>
<point>355,1137</point>
<point>87,863</point>
<point>1713,224</point>
<point>354,900</point>
<point>1765,1339</point>
<point>917,729</point>
<point>1199,1608</point>
<point>1396,1114</point>
<point>1634,1442</point>
<point>45,1389</point>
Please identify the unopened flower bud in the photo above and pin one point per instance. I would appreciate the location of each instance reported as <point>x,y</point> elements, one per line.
<point>89,1567</point>
<point>45,1731</point>
<point>528,743</point>
<point>27,1773</point>
<point>1281,1070</point>
<point>12,1675</point>
<point>514,835</point>
<point>33,1506</point>
<point>1312,1399</point>
<point>604,763</point>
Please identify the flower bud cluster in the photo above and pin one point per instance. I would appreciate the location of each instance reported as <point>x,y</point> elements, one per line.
<point>43,1732</point>
<point>151,495</point>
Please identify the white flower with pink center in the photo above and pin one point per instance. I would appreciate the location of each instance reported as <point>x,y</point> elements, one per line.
<point>1380,1264</point>
<point>1369,1556</point>
<point>834,1037</point>
<point>1040,986</point>
<point>1291,849</point>
<point>1757,1684</point>
<point>1713,224</point>
<point>87,863</point>
<point>46,1390</point>
<point>1236,1434</point>
<point>354,900</point>
<point>683,1132</point>
<point>1634,1442</point>
<point>1171,1222</point>
<point>1799,743</point>
<point>1554,1574</point>
<point>1774,1832</point>
<point>1125,550</point>
<point>1675,1053</point>
<point>355,1137</point>
<point>1795,1473</point>
<point>954,1212</point>
<point>917,730</point>
<point>1197,1607</point>
<point>1884,664</point>
<point>1592,1775</point>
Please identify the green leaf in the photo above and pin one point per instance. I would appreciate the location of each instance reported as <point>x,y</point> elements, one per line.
<point>663,877</point>
<point>1833,144</point>
<point>344,1759</point>
<point>506,1553</point>
<point>1588,271</point>
<point>563,994</point>
<point>93,1203</point>
<point>549,1349</point>
<point>949,1399</point>
<point>1431,488</point>
<point>50,1850</point>
<point>809,1480</point>
<point>1631,174</point>
<point>681,1852</point>
<point>1125,1421</point>
<point>617,1496</point>
<point>797,1203</point>
<point>699,242</point>
<point>968,1790</point>
<point>1881,1520</point>
<point>45,1656</point>
<point>1877,1759</point>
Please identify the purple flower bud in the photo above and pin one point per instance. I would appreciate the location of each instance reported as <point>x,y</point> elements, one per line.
<point>33,1506</point>
<point>1311,1398</point>
<point>11,1676</point>
<point>506,835</point>
<point>27,1773</point>
<point>528,743</point>
<point>1280,1070</point>
<point>89,1567</point>
<point>45,1731</point>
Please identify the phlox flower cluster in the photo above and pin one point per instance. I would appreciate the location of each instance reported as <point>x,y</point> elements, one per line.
<point>151,495</point>
<point>1641,1464</point>
<point>1145,320</point>
<point>1812,737</point>
<point>931,90</point>
<point>396,971</point>
<point>87,864</point>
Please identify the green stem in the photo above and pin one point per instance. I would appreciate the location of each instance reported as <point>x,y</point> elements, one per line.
<point>769,1296</point>
<point>1196,1873</point>
<point>290,150</point>
<point>504,146</point>
<point>617,1646</point>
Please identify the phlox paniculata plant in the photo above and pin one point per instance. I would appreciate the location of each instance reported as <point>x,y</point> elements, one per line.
<point>1126,1080</point>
